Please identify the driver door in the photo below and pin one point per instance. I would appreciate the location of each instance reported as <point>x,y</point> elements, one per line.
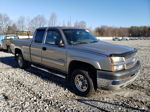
<point>53,56</point>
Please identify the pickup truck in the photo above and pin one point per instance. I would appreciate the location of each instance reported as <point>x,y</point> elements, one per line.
<point>76,55</point>
<point>6,42</point>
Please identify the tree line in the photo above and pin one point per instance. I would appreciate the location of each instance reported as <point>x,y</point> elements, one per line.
<point>7,25</point>
<point>133,31</point>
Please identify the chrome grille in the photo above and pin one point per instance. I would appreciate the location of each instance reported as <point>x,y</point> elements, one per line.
<point>130,65</point>
<point>130,56</point>
<point>130,61</point>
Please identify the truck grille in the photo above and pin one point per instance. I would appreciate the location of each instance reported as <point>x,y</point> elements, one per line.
<point>130,56</point>
<point>130,61</point>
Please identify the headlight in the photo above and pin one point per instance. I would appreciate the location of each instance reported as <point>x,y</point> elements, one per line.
<point>117,67</point>
<point>116,59</point>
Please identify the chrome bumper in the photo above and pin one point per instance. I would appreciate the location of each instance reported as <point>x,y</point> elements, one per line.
<point>117,80</point>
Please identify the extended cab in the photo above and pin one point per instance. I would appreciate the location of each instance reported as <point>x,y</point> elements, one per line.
<point>75,54</point>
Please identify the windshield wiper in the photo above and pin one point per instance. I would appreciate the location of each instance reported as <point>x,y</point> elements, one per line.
<point>85,42</point>
<point>80,43</point>
<point>94,41</point>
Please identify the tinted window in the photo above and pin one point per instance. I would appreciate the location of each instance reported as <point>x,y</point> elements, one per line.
<point>53,37</point>
<point>39,36</point>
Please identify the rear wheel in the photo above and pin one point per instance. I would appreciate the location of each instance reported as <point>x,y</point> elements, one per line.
<point>82,83</point>
<point>21,62</point>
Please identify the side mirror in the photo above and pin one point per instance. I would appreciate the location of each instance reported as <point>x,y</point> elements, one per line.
<point>60,43</point>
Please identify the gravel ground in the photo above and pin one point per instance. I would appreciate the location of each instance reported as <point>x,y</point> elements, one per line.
<point>34,90</point>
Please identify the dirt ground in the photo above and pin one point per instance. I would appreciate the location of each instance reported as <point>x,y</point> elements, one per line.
<point>35,90</point>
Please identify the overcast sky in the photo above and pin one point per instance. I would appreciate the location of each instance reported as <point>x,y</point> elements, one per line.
<point>95,13</point>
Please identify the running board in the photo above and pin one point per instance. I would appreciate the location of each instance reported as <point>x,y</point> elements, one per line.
<point>56,74</point>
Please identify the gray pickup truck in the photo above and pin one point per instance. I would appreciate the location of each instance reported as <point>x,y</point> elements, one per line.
<point>76,55</point>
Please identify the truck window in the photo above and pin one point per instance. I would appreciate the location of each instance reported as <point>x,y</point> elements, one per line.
<point>53,36</point>
<point>39,36</point>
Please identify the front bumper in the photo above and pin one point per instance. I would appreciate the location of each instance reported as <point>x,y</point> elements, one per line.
<point>117,80</point>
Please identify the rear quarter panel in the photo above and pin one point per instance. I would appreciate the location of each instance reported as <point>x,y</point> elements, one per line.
<point>24,46</point>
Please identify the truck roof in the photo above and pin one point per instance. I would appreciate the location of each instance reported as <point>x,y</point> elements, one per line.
<point>59,28</point>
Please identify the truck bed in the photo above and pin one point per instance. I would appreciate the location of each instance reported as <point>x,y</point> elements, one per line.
<point>22,44</point>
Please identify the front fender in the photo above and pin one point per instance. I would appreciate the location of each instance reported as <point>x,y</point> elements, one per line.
<point>92,62</point>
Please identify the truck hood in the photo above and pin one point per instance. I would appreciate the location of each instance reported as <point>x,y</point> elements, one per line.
<point>103,48</point>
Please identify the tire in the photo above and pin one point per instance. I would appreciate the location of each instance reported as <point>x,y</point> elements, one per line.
<point>87,83</point>
<point>8,49</point>
<point>21,62</point>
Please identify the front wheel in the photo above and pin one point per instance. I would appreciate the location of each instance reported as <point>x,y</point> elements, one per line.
<point>82,83</point>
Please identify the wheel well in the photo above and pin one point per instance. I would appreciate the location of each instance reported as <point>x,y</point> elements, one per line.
<point>17,51</point>
<point>85,66</point>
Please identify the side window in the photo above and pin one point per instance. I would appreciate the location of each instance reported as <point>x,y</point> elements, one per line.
<point>53,37</point>
<point>39,36</point>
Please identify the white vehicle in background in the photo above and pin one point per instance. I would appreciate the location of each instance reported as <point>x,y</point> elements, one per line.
<point>117,39</point>
<point>125,38</point>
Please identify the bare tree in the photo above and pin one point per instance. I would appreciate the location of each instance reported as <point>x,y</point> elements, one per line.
<point>38,21</point>
<point>53,19</point>
<point>69,23</point>
<point>76,24</point>
<point>28,20</point>
<point>63,23</point>
<point>21,23</point>
<point>12,28</point>
<point>4,22</point>
<point>80,24</point>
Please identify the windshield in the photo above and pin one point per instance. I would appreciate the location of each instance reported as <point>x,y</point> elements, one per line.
<point>79,36</point>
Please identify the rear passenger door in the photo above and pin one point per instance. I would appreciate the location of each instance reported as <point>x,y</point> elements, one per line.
<point>36,46</point>
<point>52,55</point>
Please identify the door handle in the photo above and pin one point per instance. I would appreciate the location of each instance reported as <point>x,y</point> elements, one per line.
<point>44,48</point>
